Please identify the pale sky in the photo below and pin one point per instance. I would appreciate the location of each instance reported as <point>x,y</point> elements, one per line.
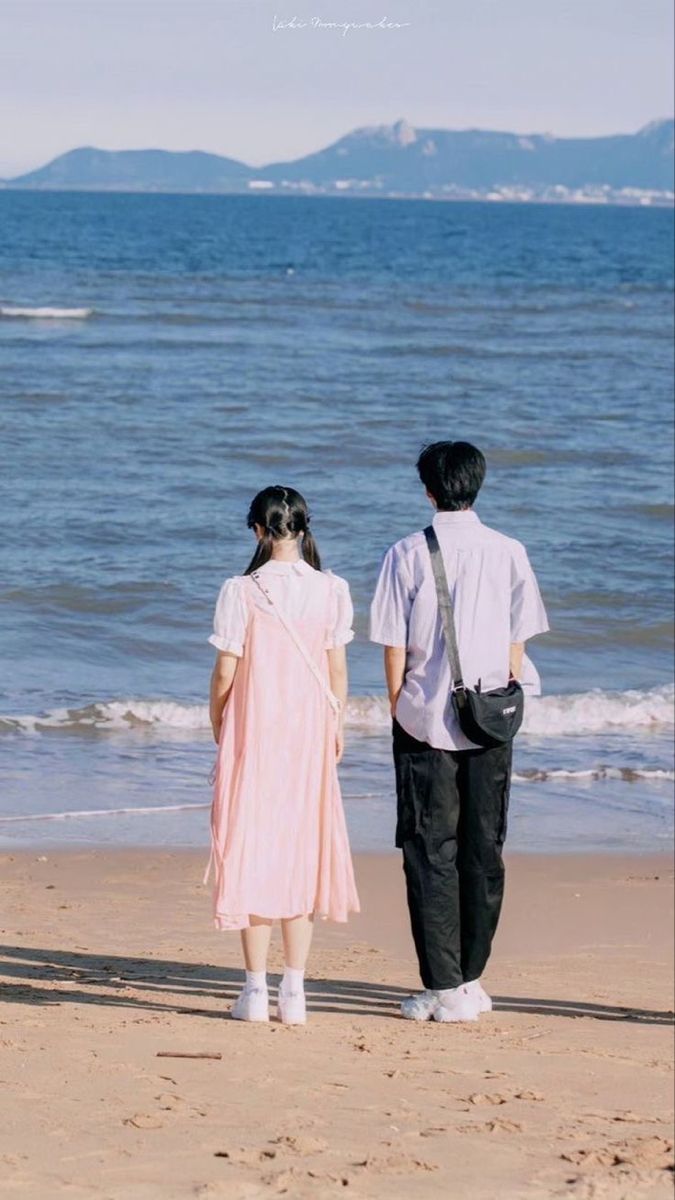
<point>215,74</point>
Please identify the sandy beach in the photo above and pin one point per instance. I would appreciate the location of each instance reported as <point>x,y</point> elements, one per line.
<point>109,961</point>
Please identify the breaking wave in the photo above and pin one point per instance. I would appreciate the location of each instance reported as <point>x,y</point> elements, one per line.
<point>545,717</point>
<point>46,313</point>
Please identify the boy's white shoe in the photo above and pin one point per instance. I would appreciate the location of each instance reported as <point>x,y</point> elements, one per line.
<point>420,1007</point>
<point>456,1004</point>
<point>477,990</point>
<point>292,1007</point>
<point>423,1006</point>
<point>253,1004</point>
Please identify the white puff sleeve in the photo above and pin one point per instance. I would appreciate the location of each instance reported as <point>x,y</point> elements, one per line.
<point>341,615</point>
<point>230,619</point>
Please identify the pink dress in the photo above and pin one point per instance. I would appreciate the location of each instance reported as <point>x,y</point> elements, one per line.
<point>278,834</point>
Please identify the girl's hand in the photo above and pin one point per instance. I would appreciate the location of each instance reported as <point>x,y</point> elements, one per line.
<point>339,743</point>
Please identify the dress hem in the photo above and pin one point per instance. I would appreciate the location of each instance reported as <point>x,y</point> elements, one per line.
<point>225,924</point>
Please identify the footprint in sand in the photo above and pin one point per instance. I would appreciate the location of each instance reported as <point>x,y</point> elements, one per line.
<point>395,1164</point>
<point>650,1153</point>
<point>143,1121</point>
<point>228,1189</point>
<point>629,1118</point>
<point>302,1144</point>
<point>497,1125</point>
<point>495,1098</point>
<point>170,1101</point>
<point>296,1181</point>
<point>479,1098</point>
<point>501,1125</point>
<point>242,1156</point>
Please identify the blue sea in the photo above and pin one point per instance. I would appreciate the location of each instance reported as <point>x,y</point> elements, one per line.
<point>164,357</point>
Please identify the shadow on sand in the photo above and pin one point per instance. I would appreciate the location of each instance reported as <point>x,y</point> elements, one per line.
<point>28,976</point>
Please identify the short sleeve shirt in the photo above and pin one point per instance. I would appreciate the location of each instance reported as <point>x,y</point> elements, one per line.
<point>496,601</point>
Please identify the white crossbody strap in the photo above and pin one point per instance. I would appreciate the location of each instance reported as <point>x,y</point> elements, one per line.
<point>330,696</point>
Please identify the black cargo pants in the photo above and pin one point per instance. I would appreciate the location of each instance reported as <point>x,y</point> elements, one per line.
<point>451,825</point>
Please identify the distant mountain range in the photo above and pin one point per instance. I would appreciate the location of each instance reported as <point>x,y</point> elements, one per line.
<point>397,160</point>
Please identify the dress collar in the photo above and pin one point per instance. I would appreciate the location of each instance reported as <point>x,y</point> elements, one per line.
<point>276,567</point>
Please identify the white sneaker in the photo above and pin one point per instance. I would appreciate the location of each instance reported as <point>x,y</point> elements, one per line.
<point>291,1007</point>
<point>456,1004</point>
<point>420,1007</point>
<point>479,994</point>
<point>252,1004</point>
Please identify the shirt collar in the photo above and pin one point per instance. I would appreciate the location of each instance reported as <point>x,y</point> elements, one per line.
<point>461,518</point>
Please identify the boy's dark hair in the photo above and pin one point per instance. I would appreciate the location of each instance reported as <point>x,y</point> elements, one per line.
<point>452,472</point>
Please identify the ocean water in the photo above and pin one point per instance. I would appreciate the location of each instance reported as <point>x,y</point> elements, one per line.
<point>164,357</point>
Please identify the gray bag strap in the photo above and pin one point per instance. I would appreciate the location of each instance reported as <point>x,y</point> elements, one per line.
<point>329,694</point>
<point>445,607</point>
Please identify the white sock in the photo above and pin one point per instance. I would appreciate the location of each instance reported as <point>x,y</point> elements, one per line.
<point>256,981</point>
<point>293,980</point>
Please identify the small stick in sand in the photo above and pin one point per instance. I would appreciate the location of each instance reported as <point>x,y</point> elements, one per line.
<point>187,1054</point>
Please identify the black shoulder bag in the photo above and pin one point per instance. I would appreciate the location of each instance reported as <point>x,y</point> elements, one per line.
<point>487,718</point>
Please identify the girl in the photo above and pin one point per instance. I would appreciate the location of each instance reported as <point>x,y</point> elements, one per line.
<point>279,842</point>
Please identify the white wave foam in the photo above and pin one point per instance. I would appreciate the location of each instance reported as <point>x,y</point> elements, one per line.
<point>623,774</point>
<point>546,716</point>
<point>70,814</point>
<point>598,711</point>
<point>595,774</point>
<point>46,313</point>
<point>141,811</point>
<point>558,716</point>
<point>114,715</point>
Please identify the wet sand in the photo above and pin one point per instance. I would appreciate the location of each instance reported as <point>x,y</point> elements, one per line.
<point>109,959</point>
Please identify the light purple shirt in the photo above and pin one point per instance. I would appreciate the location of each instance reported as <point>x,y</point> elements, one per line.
<point>496,602</point>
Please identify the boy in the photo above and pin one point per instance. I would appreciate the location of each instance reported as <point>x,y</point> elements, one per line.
<point>452,795</point>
